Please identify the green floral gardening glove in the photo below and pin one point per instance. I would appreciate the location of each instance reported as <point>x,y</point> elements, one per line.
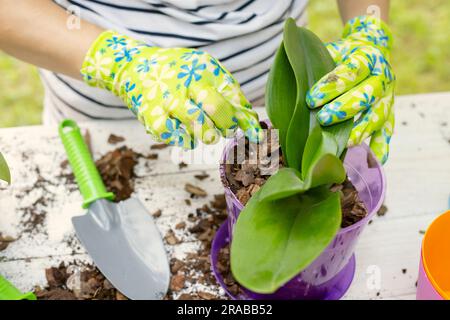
<point>179,94</point>
<point>363,83</point>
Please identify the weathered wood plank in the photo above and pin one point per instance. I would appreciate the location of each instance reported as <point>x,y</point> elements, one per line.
<point>418,174</point>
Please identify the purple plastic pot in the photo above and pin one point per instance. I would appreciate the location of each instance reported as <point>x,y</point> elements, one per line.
<point>329,276</point>
<point>434,277</point>
<point>425,289</point>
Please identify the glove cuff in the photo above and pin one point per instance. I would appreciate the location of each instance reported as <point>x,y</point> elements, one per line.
<point>107,59</point>
<point>370,30</point>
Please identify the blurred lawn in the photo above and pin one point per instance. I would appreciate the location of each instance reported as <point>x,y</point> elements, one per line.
<point>420,56</point>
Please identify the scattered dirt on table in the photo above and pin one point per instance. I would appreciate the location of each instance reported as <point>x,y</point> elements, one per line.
<point>421,231</point>
<point>77,281</point>
<point>42,190</point>
<point>117,170</point>
<point>246,178</point>
<point>194,190</point>
<point>196,267</point>
<point>113,139</point>
<point>5,241</point>
<point>33,216</point>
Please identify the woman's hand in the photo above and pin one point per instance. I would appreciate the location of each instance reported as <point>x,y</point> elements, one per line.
<point>179,94</point>
<point>362,83</point>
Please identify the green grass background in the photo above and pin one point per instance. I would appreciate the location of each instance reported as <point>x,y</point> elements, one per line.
<point>420,57</point>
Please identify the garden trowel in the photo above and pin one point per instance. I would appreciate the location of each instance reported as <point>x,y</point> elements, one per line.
<point>9,292</point>
<point>121,238</point>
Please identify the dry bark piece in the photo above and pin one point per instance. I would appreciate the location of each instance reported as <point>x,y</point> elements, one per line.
<point>113,139</point>
<point>206,295</point>
<point>171,238</point>
<point>107,285</point>
<point>243,196</point>
<point>157,213</point>
<point>186,296</point>
<point>353,208</point>
<point>120,296</point>
<point>219,202</point>
<point>87,139</point>
<point>117,170</point>
<point>382,211</point>
<point>64,164</point>
<point>177,282</point>
<point>182,165</point>
<point>56,277</point>
<point>202,176</point>
<point>3,245</point>
<point>158,146</point>
<point>176,265</point>
<point>5,241</point>
<point>54,294</point>
<point>152,156</point>
<point>253,188</point>
<point>194,190</point>
<point>180,225</point>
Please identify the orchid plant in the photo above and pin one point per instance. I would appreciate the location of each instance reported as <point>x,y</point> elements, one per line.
<point>295,215</point>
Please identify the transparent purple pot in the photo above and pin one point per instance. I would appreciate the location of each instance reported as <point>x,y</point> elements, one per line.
<point>329,276</point>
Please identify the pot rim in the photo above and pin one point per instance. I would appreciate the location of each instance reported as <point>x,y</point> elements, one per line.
<point>377,206</point>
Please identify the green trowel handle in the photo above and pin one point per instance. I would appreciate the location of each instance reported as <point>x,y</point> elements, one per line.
<point>9,292</point>
<point>86,174</point>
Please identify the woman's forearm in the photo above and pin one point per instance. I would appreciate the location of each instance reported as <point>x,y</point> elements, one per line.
<point>352,8</point>
<point>36,31</point>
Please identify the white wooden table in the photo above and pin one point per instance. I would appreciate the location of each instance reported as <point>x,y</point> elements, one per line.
<point>418,180</point>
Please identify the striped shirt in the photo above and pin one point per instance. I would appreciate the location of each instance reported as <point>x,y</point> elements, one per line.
<point>243,34</point>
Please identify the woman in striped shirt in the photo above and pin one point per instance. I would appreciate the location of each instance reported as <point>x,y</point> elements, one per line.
<point>160,59</point>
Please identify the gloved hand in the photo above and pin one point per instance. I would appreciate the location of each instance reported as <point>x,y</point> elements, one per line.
<point>179,94</point>
<point>362,81</point>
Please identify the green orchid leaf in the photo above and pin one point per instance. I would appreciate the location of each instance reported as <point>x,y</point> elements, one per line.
<point>340,132</point>
<point>274,240</point>
<point>280,95</point>
<point>301,60</point>
<point>325,171</point>
<point>318,144</point>
<point>285,183</point>
<point>309,60</point>
<point>5,174</point>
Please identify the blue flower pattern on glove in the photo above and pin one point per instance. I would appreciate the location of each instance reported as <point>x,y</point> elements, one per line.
<point>191,72</point>
<point>361,86</point>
